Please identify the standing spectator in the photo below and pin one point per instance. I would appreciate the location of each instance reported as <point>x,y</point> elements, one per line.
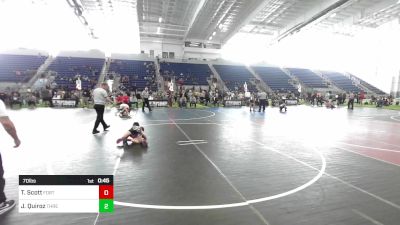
<point>134,100</point>
<point>47,96</point>
<point>339,99</point>
<point>327,96</point>
<point>215,98</point>
<point>85,97</point>
<point>351,101</point>
<point>100,98</point>
<point>361,97</point>
<point>145,97</point>
<point>262,96</point>
<point>343,98</point>
<point>8,125</point>
<point>252,102</point>
<point>169,95</point>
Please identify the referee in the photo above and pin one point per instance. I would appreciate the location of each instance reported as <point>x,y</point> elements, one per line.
<point>100,98</point>
<point>262,96</point>
<point>145,97</point>
<point>8,125</point>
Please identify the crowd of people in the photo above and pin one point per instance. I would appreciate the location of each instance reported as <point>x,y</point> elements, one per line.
<point>129,82</point>
<point>180,78</point>
<point>184,97</point>
<point>189,97</point>
<point>44,96</point>
<point>332,100</point>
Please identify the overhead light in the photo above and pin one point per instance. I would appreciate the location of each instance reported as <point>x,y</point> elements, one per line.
<point>158,30</point>
<point>332,15</point>
<point>214,33</point>
<point>210,38</point>
<point>160,19</point>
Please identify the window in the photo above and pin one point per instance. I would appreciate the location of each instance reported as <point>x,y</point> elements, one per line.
<point>165,55</point>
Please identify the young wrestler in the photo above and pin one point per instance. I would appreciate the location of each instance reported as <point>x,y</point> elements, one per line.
<point>124,110</point>
<point>135,135</point>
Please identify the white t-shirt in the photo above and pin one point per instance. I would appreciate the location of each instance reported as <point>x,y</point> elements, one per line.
<point>100,96</point>
<point>3,112</point>
<point>262,96</point>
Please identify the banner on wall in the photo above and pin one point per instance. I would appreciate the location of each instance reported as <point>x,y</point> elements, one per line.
<point>230,103</point>
<point>61,103</point>
<point>158,103</point>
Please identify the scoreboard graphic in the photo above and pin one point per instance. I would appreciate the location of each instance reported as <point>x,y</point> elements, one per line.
<point>66,193</point>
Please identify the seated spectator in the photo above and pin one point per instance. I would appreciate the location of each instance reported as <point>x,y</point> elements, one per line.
<point>379,103</point>
<point>182,101</point>
<point>122,98</point>
<point>193,101</point>
<point>32,101</point>
<point>16,99</point>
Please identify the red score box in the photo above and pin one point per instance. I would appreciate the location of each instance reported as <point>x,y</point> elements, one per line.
<point>106,192</point>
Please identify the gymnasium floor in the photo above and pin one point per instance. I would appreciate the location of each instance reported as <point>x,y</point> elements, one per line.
<point>309,166</point>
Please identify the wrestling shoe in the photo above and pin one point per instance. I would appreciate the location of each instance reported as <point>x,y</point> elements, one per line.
<point>6,206</point>
<point>105,129</point>
<point>95,132</point>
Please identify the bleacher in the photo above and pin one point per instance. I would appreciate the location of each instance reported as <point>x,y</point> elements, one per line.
<point>19,68</point>
<point>235,76</point>
<point>370,86</point>
<point>342,82</point>
<point>275,78</point>
<point>309,78</point>
<point>190,73</point>
<point>67,68</point>
<point>137,72</point>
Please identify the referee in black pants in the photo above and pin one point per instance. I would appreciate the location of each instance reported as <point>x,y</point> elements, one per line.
<point>100,98</point>
<point>145,97</point>
<point>262,96</point>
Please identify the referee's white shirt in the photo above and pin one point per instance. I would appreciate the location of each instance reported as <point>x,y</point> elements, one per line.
<point>100,96</point>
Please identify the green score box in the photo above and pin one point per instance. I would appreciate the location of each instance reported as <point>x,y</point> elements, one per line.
<point>106,205</point>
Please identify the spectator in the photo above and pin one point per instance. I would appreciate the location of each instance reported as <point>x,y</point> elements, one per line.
<point>351,101</point>
<point>16,99</point>
<point>182,101</point>
<point>31,101</point>
<point>193,101</point>
<point>85,97</point>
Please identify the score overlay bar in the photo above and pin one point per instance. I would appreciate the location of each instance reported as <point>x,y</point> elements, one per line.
<point>66,193</point>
